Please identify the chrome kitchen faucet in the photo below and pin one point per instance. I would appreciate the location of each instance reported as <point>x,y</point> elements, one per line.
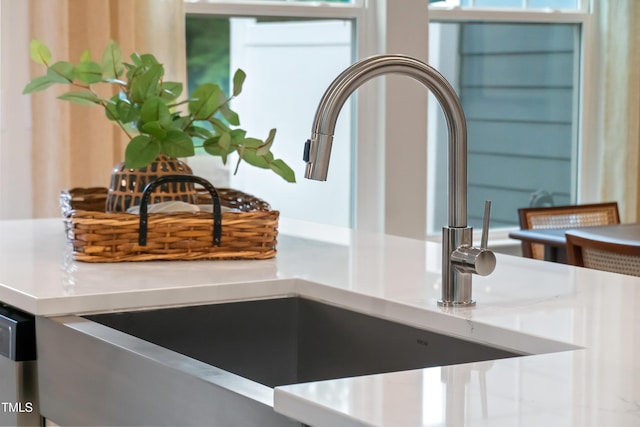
<point>459,258</point>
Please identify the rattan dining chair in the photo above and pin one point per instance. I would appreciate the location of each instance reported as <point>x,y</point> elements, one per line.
<point>607,255</point>
<point>562,217</point>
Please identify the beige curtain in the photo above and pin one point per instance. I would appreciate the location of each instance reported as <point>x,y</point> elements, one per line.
<point>620,43</point>
<point>74,145</point>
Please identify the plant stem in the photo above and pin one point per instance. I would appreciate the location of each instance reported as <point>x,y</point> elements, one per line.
<point>177,104</point>
<point>124,129</point>
<point>212,114</point>
<point>103,104</point>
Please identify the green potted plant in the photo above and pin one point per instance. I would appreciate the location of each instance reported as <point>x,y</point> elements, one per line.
<point>147,109</point>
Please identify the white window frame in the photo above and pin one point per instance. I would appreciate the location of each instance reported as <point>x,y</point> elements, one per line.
<point>386,197</point>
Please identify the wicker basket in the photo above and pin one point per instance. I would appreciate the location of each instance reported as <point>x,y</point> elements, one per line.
<point>97,236</point>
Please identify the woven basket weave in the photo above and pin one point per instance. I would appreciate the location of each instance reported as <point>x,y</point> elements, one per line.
<point>97,236</point>
<point>87,199</point>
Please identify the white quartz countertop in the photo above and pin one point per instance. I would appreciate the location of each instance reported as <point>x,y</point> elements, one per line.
<point>578,326</point>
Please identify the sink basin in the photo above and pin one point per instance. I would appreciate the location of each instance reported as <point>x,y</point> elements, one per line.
<point>292,340</point>
<point>218,364</point>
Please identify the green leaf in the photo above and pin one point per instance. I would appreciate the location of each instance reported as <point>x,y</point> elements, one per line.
<point>126,111</point>
<point>147,84</point>
<point>219,126</point>
<point>204,102</point>
<point>177,144</point>
<point>199,132</point>
<point>88,72</point>
<point>230,115</point>
<point>219,145</point>
<point>251,142</point>
<point>155,110</point>
<point>132,73</point>
<point>170,90</point>
<point>86,56</point>
<point>180,122</point>
<point>37,84</point>
<point>111,110</point>
<point>141,151</point>
<point>266,147</point>
<point>112,66</point>
<point>250,156</point>
<point>238,136</point>
<point>137,61</point>
<point>141,64</point>
<point>61,72</point>
<point>39,52</point>
<point>225,142</point>
<point>238,81</point>
<point>212,147</point>
<point>148,60</point>
<point>80,97</point>
<point>282,169</point>
<point>154,129</point>
<point>225,146</point>
<point>120,109</point>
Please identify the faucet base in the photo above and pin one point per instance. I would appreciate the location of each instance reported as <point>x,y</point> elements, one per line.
<point>456,279</point>
<point>461,304</point>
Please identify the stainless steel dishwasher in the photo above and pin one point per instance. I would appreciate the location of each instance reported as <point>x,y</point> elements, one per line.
<point>18,374</point>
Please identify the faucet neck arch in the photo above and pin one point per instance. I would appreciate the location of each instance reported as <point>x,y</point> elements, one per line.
<point>352,78</point>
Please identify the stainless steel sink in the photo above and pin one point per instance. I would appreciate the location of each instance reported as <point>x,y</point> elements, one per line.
<point>293,340</point>
<point>218,364</point>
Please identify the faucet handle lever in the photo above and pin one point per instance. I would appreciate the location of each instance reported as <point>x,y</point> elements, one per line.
<point>484,240</point>
<point>480,260</point>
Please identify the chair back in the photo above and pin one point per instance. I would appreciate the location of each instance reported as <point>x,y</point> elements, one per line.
<point>562,217</point>
<point>603,254</point>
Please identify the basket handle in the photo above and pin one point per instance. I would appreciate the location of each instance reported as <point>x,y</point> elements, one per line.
<point>146,195</point>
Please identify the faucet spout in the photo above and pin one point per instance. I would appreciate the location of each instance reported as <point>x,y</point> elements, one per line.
<point>319,149</point>
<point>460,259</point>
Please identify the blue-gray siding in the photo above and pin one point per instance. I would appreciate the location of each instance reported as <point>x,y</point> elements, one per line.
<point>517,89</point>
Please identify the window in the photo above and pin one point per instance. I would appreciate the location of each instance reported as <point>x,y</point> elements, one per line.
<point>518,77</point>
<point>289,63</point>
<point>516,64</point>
